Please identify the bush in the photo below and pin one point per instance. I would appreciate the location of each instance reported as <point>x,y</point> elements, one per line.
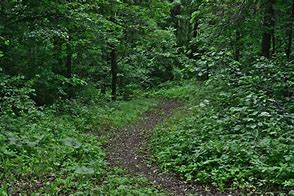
<point>236,131</point>
<point>49,149</point>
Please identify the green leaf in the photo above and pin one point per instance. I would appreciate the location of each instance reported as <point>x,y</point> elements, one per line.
<point>84,170</point>
<point>71,143</point>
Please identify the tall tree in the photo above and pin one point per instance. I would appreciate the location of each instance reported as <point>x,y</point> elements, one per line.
<point>113,57</point>
<point>268,28</point>
<point>290,32</point>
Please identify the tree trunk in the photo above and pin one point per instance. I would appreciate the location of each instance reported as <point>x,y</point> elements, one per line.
<point>103,88</point>
<point>274,43</point>
<point>238,45</point>
<point>174,12</point>
<point>57,47</point>
<point>68,60</point>
<point>290,34</point>
<point>195,29</point>
<point>70,90</point>
<point>193,45</point>
<point>268,25</point>
<point>113,57</point>
<point>69,65</point>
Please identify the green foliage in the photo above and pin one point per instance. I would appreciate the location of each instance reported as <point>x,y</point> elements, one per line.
<point>51,150</point>
<point>61,61</point>
<point>175,90</point>
<point>15,95</point>
<point>117,184</point>
<point>61,46</point>
<point>155,56</point>
<point>235,132</point>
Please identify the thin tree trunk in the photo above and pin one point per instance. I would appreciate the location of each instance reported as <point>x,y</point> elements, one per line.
<point>113,57</point>
<point>57,47</point>
<point>68,60</point>
<point>103,88</point>
<point>68,65</point>
<point>193,45</point>
<point>195,29</point>
<point>290,34</point>
<point>238,45</point>
<point>268,25</point>
<point>273,42</point>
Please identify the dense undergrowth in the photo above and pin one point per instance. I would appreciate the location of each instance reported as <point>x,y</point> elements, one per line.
<point>236,131</point>
<point>58,149</point>
<point>62,61</point>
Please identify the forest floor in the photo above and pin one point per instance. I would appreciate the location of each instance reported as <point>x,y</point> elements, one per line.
<point>128,149</point>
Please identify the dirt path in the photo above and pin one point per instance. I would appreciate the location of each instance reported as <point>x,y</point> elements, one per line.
<point>124,151</point>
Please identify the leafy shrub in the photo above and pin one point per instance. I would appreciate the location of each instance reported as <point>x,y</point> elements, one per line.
<point>15,96</point>
<point>236,131</point>
<point>49,150</point>
<point>208,64</point>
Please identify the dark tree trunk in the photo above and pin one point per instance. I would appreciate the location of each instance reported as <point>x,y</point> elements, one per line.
<point>274,43</point>
<point>103,88</point>
<point>193,45</point>
<point>174,12</point>
<point>70,90</point>
<point>195,29</point>
<point>68,59</point>
<point>113,57</point>
<point>57,46</point>
<point>290,34</point>
<point>268,25</point>
<point>102,77</point>
<point>238,45</point>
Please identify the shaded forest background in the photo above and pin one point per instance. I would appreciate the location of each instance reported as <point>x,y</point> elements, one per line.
<point>58,48</point>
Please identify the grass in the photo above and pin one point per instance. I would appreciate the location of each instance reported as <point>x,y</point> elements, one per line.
<point>175,90</point>
<point>59,150</point>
